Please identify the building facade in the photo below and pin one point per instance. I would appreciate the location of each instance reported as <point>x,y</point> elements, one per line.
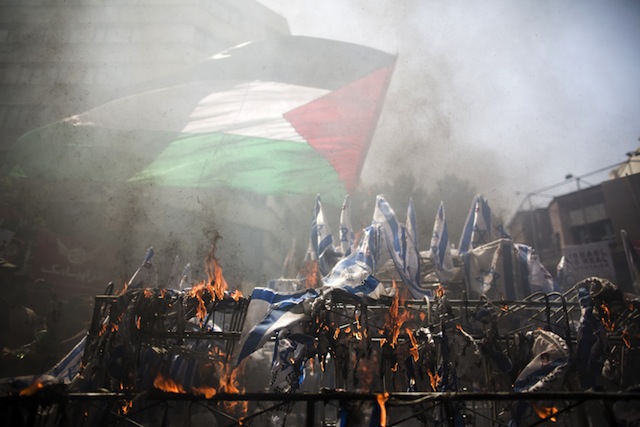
<point>585,225</point>
<point>59,58</point>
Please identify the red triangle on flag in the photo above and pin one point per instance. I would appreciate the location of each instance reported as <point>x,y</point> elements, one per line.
<point>340,124</point>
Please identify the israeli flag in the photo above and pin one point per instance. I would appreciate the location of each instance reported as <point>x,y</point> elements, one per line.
<point>322,240</point>
<point>71,364</point>
<point>411,248</point>
<point>268,313</point>
<point>354,273</point>
<point>477,228</point>
<point>535,276</point>
<point>440,250</point>
<point>401,247</point>
<point>347,236</point>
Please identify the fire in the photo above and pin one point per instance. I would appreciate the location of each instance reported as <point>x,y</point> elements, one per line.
<point>413,350</point>
<point>236,295</point>
<point>434,379</point>
<point>608,324</point>
<point>205,391</point>
<point>167,384</point>
<point>545,413</point>
<point>148,293</point>
<point>229,384</point>
<point>197,292</point>
<point>394,319</point>
<point>382,398</point>
<point>504,308</point>
<point>32,389</point>
<point>626,338</point>
<point>309,271</point>
<point>217,285</point>
<point>128,404</point>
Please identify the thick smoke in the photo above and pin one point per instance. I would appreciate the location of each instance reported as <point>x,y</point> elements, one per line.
<point>510,96</point>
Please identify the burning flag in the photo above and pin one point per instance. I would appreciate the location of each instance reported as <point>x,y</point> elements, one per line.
<point>285,115</point>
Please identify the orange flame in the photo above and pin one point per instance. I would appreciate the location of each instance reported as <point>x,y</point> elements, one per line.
<point>217,285</point>
<point>128,404</point>
<point>545,413</point>
<point>413,350</point>
<point>197,292</point>
<point>309,271</point>
<point>382,398</point>
<point>236,295</point>
<point>434,379</point>
<point>608,324</point>
<point>229,383</point>
<point>205,391</point>
<point>626,338</point>
<point>32,389</point>
<point>167,384</point>
<point>394,319</point>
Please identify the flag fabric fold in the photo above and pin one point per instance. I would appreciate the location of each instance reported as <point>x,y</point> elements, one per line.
<point>322,240</point>
<point>400,245</point>
<point>477,227</point>
<point>287,115</point>
<point>535,276</point>
<point>354,273</point>
<point>440,250</point>
<point>270,311</point>
<point>347,236</point>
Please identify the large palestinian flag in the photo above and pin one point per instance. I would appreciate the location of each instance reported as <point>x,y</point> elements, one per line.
<point>289,115</point>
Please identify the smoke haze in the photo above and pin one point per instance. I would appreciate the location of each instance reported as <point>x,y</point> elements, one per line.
<point>509,95</point>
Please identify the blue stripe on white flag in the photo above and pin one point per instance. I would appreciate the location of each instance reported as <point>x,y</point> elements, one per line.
<point>440,252</point>
<point>347,236</point>
<point>283,312</point>
<point>67,368</point>
<point>352,273</point>
<point>477,227</point>
<point>403,251</point>
<point>467,230</point>
<point>322,240</point>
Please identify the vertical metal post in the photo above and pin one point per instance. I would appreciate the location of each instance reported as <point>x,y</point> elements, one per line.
<point>311,413</point>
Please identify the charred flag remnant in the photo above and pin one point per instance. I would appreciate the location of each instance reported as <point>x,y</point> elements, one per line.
<point>158,340</point>
<point>286,115</point>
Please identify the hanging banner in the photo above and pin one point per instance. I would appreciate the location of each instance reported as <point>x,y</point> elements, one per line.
<point>589,260</point>
<point>72,265</point>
